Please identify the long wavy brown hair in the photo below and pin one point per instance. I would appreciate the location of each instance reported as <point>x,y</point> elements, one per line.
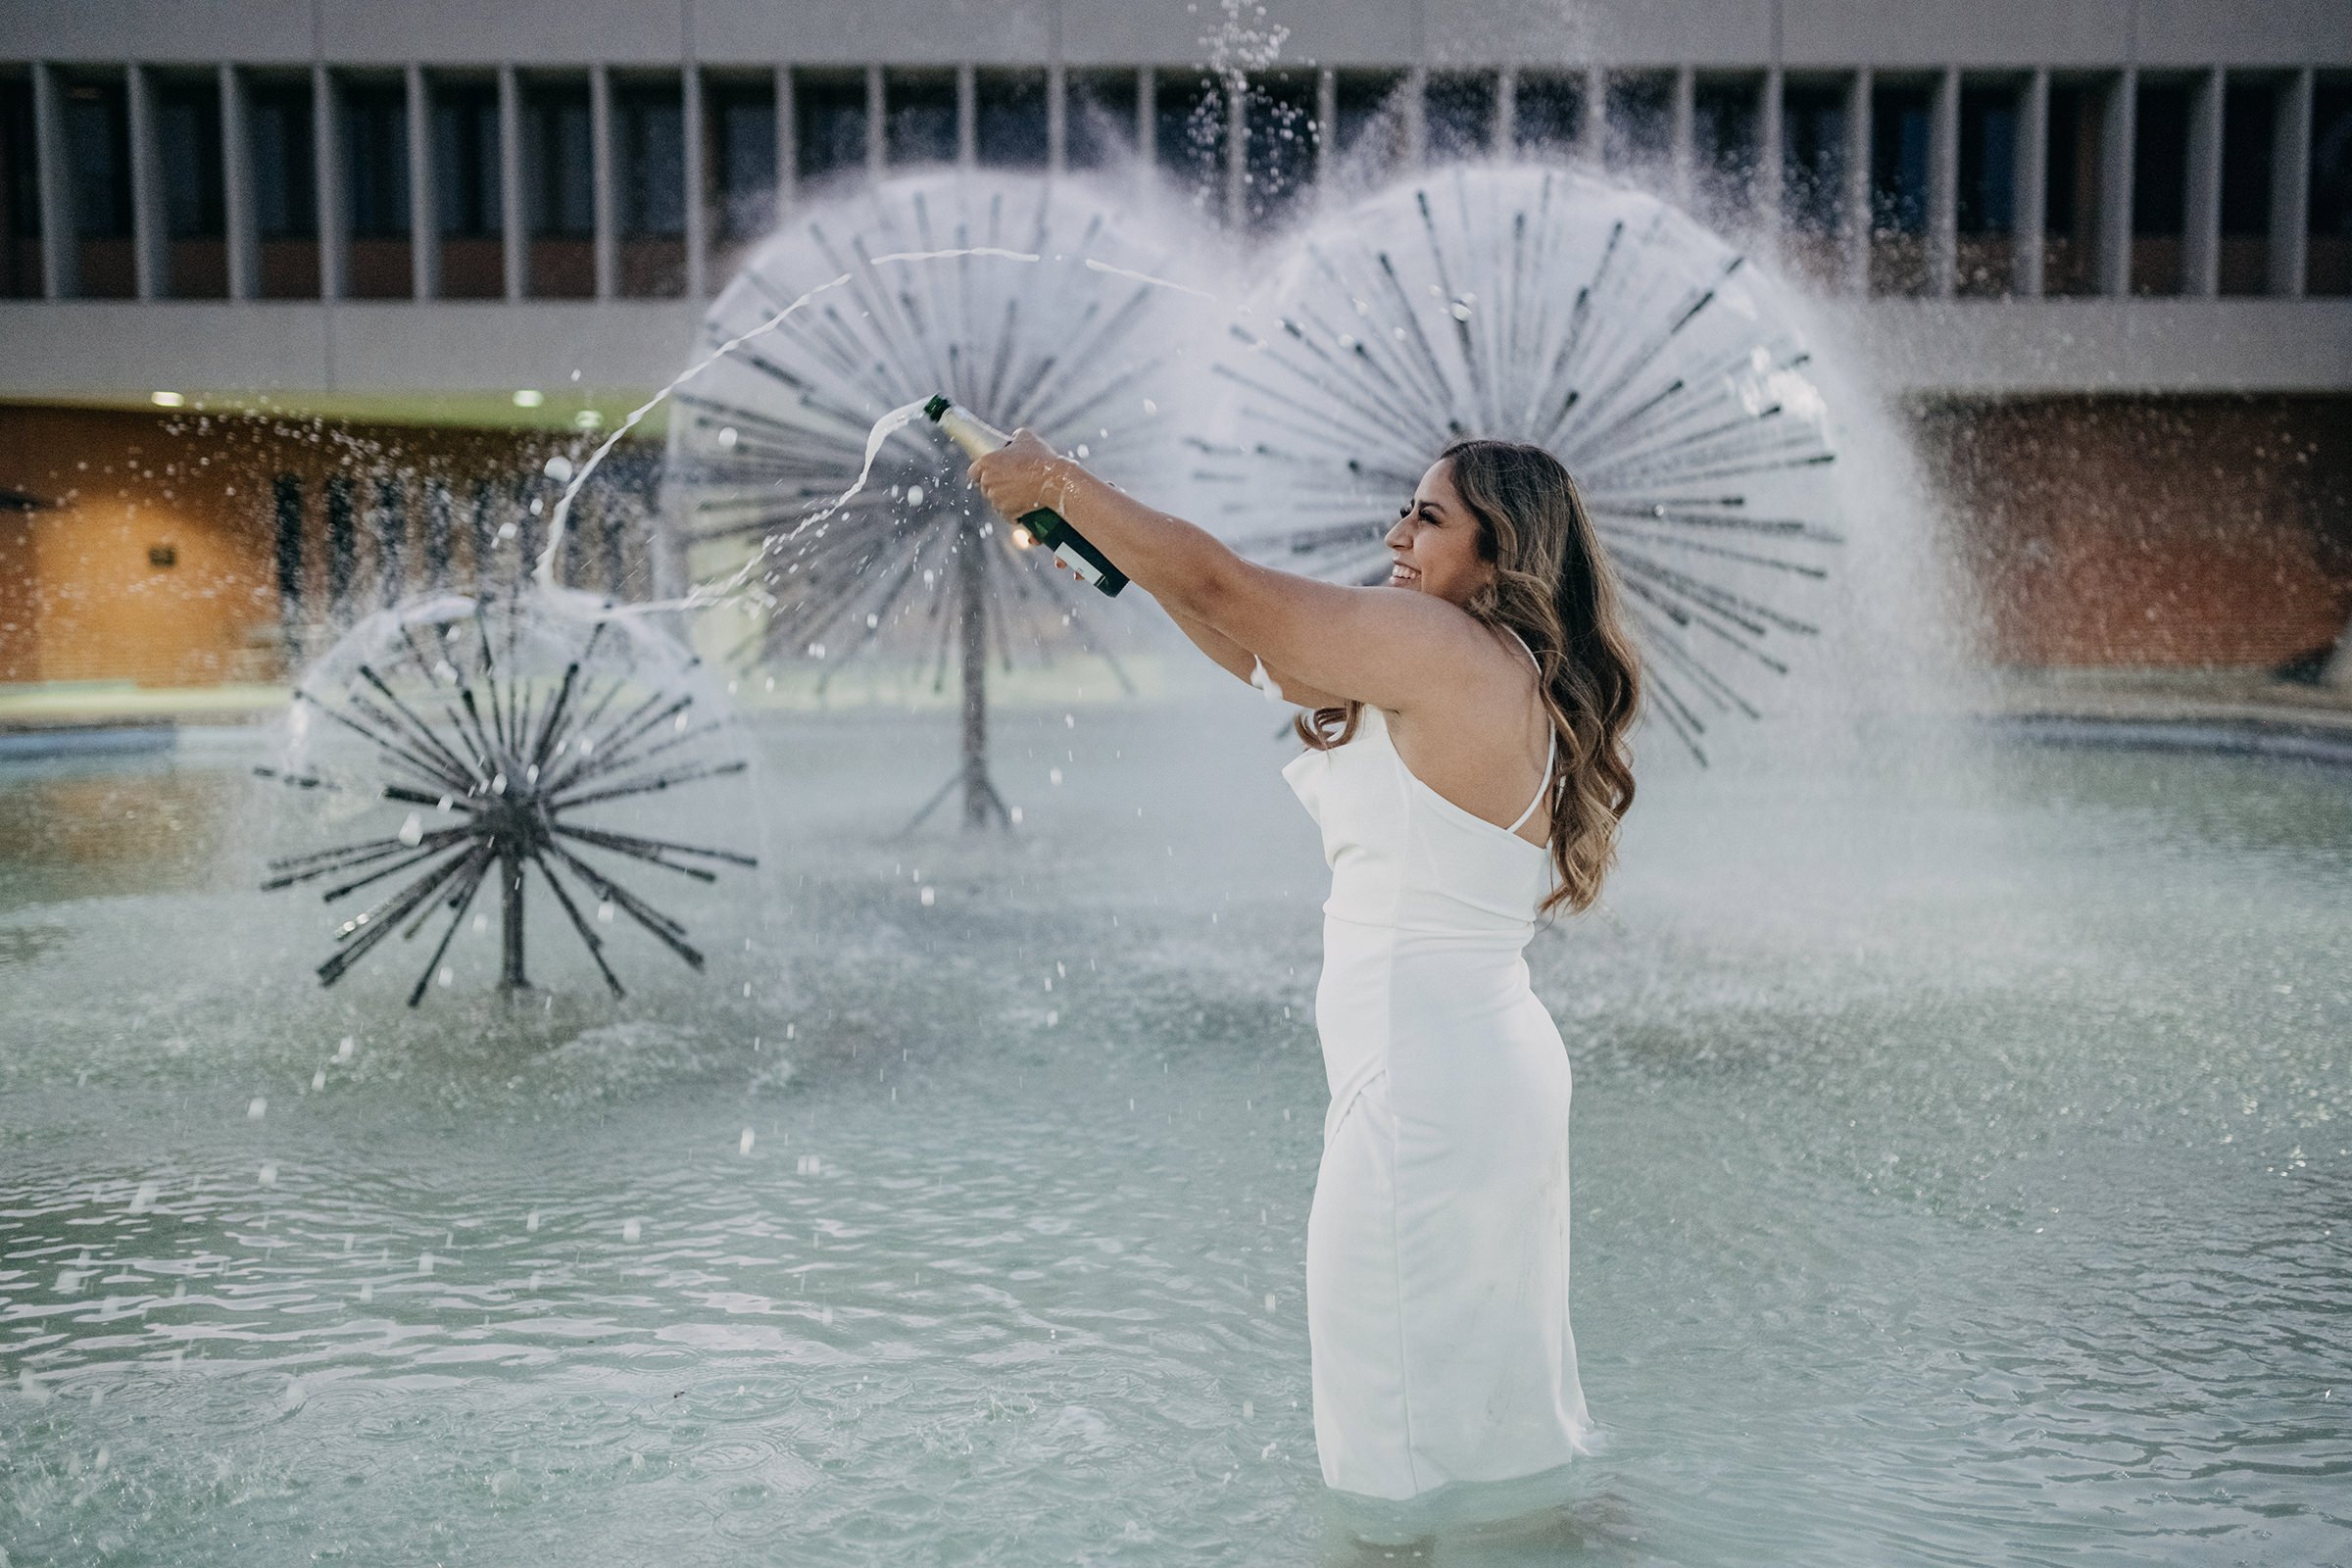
<point>1556,590</point>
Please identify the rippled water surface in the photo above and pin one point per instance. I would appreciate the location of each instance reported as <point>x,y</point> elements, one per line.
<point>1960,1169</point>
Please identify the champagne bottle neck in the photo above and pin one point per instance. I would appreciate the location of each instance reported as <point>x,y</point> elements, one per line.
<point>976,436</point>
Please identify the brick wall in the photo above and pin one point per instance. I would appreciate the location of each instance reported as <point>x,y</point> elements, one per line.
<point>2156,532</point>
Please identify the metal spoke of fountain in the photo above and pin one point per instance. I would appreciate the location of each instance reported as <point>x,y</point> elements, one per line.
<point>498,721</point>
<point>1025,332</point>
<point>1544,306</point>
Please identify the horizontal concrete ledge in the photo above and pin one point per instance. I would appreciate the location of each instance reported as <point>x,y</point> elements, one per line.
<point>2016,347</point>
<point>2230,737</point>
<point>113,740</point>
<point>404,354</point>
<point>85,351</point>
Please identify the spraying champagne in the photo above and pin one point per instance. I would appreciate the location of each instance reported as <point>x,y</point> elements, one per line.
<point>1070,546</point>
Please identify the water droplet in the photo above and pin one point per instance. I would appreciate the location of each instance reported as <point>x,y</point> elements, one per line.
<point>743,1145</point>
<point>258,1109</point>
<point>412,831</point>
<point>268,1175</point>
<point>1054,774</point>
<point>630,1230</point>
<point>727,437</point>
<point>559,468</point>
<point>930,897</point>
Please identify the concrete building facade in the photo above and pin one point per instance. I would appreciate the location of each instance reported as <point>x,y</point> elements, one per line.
<point>447,214</point>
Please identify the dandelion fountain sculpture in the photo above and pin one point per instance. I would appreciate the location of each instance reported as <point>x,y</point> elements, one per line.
<point>1024,300</point>
<point>1543,304</point>
<point>523,731</point>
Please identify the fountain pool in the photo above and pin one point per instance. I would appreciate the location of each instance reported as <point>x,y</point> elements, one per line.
<point>1960,1177</point>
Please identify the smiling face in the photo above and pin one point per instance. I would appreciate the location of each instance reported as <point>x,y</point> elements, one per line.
<point>1434,546</point>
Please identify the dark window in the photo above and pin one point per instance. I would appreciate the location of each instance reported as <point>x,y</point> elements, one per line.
<point>1813,157</point>
<point>1547,109</point>
<point>20,194</point>
<point>1009,118</point>
<point>187,133</point>
<point>286,491</point>
<point>2331,160</point>
<point>342,540</point>
<point>375,161</point>
<point>2160,160</point>
<point>285,183</point>
<point>1281,146</point>
<point>743,129</point>
<point>2327,262</point>
<point>1639,131</point>
<point>1190,135</point>
<point>649,146</point>
<point>1898,158</point>
<point>1370,134</point>
<point>2061,192</point>
<point>1099,116</point>
<point>919,115</point>
<point>1987,194</point>
<point>558,161</point>
<point>1725,134</point>
<point>828,121</point>
<point>465,161</point>
<point>98,147</point>
<point>2249,135</point>
<point>1459,106</point>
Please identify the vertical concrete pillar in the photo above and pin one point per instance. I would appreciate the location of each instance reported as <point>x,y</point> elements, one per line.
<point>150,237</point>
<point>1146,116</point>
<point>877,123</point>
<point>1771,154</point>
<point>602,194</point>
<point>513,213</point>
<point>1682,146</point>
<point>2032,183</point>
<point>424,191</point>
<point>788,144</point>
<point>1853,200</point>
<point>1058,117</point>
<point>334,223</point>
<point>2118,137</point>
<point>2201,238</point>
<point>1415,151</point>
<point>61,227</point>
<point>240,229</point>
<point>2291,187</point>
<point>696,176</point>
<point>968,117</point>
<point>1943,185</point>
<point>1327,129</point>
<point>1237,154</point>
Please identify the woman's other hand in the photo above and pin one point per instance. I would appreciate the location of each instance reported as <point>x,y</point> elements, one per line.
<point>1022,476</point>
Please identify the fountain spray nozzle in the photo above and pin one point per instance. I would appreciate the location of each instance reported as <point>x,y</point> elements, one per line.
<point>977,437</point>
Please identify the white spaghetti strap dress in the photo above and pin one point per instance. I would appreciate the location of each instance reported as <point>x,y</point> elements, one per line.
<point>1444,1367</point>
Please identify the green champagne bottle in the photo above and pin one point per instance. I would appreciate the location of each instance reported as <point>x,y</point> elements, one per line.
<point>1049,528</point>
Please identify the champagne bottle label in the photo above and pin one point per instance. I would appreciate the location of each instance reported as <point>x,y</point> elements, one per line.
<point>977,437</point>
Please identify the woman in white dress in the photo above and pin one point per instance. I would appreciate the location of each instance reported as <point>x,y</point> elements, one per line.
<point>1467,764</point>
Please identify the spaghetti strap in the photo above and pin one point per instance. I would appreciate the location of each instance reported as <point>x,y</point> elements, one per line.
<point>1552,741</point>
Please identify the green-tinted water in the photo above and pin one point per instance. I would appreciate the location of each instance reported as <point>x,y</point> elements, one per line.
<point>1960,1169</point>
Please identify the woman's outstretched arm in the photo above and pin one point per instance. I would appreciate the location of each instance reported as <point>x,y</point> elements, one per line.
<point>1244,664</point>
<point>1391,647</point>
